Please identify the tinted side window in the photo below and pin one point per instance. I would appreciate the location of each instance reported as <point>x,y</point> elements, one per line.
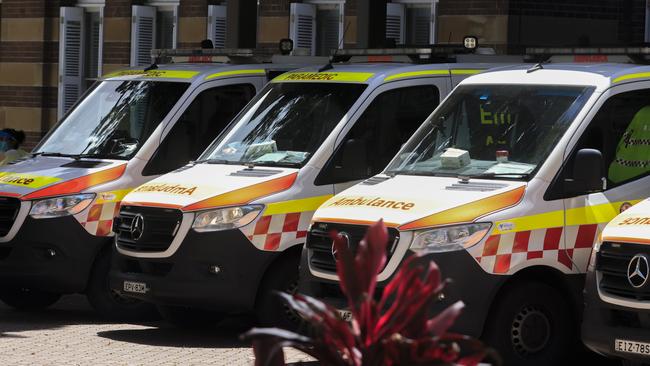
<point>379,133</point>
<point>621,132</point>
<point>201,123</point>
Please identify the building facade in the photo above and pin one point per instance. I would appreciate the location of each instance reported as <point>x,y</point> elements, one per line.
<point>51,51</point>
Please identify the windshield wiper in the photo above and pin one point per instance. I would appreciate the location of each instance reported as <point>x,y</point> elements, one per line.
<point>215,161</point>
<point>77,156</point>
<point>493,175</point>
<point>419,172</point>
<point>274,163</point>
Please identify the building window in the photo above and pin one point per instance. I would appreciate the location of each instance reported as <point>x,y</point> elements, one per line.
<point>154,26</point>
<point>411,22</point>
<point>80,50</point>
<point>316,26</point>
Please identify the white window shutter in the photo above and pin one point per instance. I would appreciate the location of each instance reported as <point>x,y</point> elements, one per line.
<point>70,58</point>
<point>395,22</point>
<point>143,34</point>
<point>433,22</point>
<point>302,27</point>
<point>341,26</point>
<point>217,25</point>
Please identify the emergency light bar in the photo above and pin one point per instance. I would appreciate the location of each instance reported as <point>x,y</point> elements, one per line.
<point>591,54</point>
<point>414,54</point>
<point>211,55</point>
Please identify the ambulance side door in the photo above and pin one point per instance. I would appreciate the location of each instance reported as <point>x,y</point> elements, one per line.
<point>378,129</point>
<point>201,118</point>
<point>620,130</point>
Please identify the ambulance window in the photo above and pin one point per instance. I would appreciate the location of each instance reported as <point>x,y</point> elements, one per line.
<point>378,134</point>
<point>621,132</point>
<point>202,121</point>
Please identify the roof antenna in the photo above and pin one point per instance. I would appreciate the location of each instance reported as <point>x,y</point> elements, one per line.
<point>153,66</point>
<point>329,65</point>
<point>537,66</point>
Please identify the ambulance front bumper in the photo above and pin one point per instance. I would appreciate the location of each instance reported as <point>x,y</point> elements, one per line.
<point>218,271</point>
<point>54,255</point>
<point>470,284</point>
<point>605,323</point>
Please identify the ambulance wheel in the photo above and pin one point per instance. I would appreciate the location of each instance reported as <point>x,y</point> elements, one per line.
<point>632,363</point>
<point>530,325</point>
<point>270,309</point>
<point>189,318</point>
<point>111,304</point>
<point>27,299</point>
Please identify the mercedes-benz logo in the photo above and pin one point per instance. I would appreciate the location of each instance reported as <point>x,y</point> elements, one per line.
<point>137,227</point>
<point>638,270</point>
<point>345,236</point>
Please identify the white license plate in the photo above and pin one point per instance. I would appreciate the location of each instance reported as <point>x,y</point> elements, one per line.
<point>345,315</point>
<point>639,348</point>
<point>137,287</point>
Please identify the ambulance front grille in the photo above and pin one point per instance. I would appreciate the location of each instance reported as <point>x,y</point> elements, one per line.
<point>319,244</point>
<point>9,208</point>
<point>159,226</point>
<point>612,263</point>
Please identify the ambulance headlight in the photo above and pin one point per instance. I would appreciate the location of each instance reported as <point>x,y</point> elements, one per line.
<point>226,218</point>
<point>450,238</point>
<point>591,265</point>
<point>61,206</point>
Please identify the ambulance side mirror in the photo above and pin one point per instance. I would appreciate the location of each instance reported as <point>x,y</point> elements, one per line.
<point>588,175</point>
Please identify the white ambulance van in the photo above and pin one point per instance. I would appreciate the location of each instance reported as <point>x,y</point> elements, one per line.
<point>616,320</point>
<point>506,187</point>
<point>222,233</point>
<point>57,205</point>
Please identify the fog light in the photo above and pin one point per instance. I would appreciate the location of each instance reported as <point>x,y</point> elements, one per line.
<point>50,253</point>
<point>470,42</point>
<point>215,269</point>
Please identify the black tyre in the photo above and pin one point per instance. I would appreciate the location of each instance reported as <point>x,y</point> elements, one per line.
<point>270,309</point>
<point>28,299</point>
<point>632,363</point>
<point>111,304</point>
<point>532,324</point>
<point>189,318</point>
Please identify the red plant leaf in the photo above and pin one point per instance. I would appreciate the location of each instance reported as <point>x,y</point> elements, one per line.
<point>443,321</point>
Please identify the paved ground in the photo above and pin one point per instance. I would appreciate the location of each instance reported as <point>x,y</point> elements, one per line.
<point>70,334</point>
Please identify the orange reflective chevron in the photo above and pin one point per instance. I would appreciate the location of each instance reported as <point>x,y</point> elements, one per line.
<point>245,195</point>
<point>152,204</point>
<point>468,212</point>
<point>630,240</point>
<point>78,184</point>
<point>351,221</point>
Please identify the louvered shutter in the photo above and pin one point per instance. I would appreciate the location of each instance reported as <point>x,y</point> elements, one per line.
<point>217,25</point>
<point>70,58</point>
<point>395,19</point>
<point>433,22</point>
<point>302,28</point>
<point>328,34</point>
<point>419,25</point>
<point>143,34</point>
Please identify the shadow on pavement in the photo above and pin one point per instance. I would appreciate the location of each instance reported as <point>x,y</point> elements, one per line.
<point>69,310</point>
<point>225,335</point>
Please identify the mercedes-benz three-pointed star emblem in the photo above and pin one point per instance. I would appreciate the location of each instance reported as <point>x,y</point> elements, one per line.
<point>137,227</point>
<point>638,271</point>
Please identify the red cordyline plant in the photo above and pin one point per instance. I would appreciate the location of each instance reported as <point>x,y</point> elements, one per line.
<point>395,330</point>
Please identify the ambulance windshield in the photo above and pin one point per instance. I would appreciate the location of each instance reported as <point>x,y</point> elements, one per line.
<point>113,120</point>
<point>285,124</point>
<point>503,131</point>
